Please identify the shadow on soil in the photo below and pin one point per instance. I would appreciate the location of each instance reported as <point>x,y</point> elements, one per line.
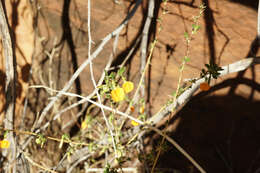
<point>221,133</point>
<point>249,3</point>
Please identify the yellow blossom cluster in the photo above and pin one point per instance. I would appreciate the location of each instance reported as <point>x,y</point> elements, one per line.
<point>118,94</point>
<point>4,143</point>
<point>134,123</point>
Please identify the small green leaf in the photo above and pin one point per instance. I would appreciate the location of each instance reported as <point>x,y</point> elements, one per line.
<point>112,75</point>
<point>186,59</point>
<point>173,93</point>
<point>195,28</point>
<point>111,118</point>
<point>121,71</point>
<point>90,147</point>
<point>186,35</point>
<point>66,136</point>
<point>207,65</point>
<point>88,119</point>
<point>38,141</point>
<point>6,133</point>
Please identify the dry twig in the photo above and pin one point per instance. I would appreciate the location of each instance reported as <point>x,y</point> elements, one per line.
<point>10,69</point>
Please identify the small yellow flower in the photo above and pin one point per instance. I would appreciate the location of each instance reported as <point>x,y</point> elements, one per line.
<point>118,94</point>
<point>204,86</point>
<point>128,86</point>
<point>134,123</point>
<point>83,125</point>
<point>4,144</point>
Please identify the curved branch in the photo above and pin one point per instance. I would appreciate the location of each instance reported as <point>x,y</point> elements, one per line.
<point>185,97</point>
<point>85,63</point>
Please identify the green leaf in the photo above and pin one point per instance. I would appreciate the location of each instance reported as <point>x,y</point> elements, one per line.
<point>88,119</point>
<point>38,141</point>
<point>186,59</point>
<point>112,75</point>
<point>186,35</point>
<point>195,28</point>
<point>207,65</point>
<point>173,93</point>
<point>111,118</point>
<point>219,69</point>
<point>121,71</point>
<point>66,136</point>
<point>6,133</point>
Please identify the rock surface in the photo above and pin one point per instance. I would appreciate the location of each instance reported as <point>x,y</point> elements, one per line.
<point>220,123</point>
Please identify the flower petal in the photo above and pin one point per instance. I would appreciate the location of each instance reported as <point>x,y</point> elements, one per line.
<point>128,86</point>
<point>118,94</point>
<point>134,123</point>
<point>4,144</point>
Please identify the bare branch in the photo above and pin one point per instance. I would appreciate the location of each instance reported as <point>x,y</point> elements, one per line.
<point>10,68</point>
<point>185,97</point>
<point>144,43</point>
<point>91,101</point>
<point>37,165</point>
<point>85,63</point>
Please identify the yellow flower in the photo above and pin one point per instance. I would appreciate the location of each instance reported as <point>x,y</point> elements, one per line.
<point>117,94</point>
<point>134,123</point>
<point>204,86</point>
<point>128,86</point>
<point>83,125</point>
<point>4,144</point>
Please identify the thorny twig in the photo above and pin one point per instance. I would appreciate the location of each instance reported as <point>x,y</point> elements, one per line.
<point>85,63</point>
<point>93,79</point>
<point>235,67</point>
<point>82,67</point>
<point>140,122</point>
<point>185,96</point>
<point>91,101</point>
